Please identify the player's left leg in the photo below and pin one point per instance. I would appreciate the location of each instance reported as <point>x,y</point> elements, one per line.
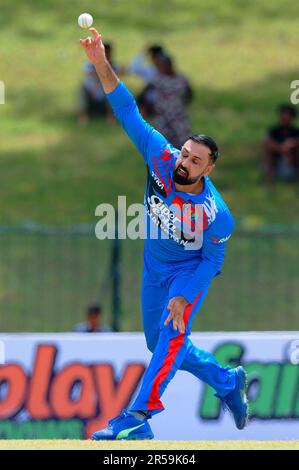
<point>167,358</point>
<point>170,352</point>
<point>175,350</point>
<point>197,361</point>
<point>229,383</point>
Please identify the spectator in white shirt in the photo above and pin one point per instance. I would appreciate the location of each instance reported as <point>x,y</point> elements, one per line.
<point>93,321</point>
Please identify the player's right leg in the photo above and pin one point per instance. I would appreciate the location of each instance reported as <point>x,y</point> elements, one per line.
<point>128,426</point>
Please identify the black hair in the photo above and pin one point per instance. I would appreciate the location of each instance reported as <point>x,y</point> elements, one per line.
<point>155,50</point>
<point>288,108</point>
<point>208,142</point>
<point>94,309</point>
<point>168,66</point>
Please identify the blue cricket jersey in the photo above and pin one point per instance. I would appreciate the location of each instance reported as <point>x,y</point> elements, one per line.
<point>166,241</point>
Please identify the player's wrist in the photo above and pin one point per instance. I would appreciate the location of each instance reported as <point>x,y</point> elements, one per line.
<point>101,63</point>
<point>183,299</point>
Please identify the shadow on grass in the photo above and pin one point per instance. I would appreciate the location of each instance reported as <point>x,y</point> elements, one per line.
<point>237,119</point>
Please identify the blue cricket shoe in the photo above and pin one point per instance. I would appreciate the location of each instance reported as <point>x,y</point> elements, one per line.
<point>124,427</point>
<point>236,401</point>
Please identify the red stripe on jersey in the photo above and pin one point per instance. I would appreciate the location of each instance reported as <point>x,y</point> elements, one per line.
<point>154,402</point>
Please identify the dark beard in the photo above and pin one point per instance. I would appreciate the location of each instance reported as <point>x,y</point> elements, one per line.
<point>183,180</point>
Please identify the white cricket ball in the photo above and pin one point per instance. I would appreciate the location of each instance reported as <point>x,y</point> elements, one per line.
<point>85,20</point>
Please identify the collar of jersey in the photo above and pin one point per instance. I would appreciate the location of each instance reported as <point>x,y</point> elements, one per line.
<point>197,198</point>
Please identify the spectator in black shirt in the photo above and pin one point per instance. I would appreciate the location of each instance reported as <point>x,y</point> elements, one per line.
<point>281,148</point>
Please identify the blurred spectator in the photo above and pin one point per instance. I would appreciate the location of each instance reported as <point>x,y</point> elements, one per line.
<point>147,70</point>
<point>93,103</point>
<point>281,147</point>
<point>172,92</point>
<point>93,321</point>
<point>140,65</point>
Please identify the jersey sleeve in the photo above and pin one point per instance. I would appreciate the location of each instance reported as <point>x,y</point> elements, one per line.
<point>147,140</point>
<point>213,253</point>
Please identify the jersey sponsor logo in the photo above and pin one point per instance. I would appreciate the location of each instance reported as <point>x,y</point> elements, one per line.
<point>157,180</point>
<point>175,221</point>
<point>221,240</point>
<point>161,213</point>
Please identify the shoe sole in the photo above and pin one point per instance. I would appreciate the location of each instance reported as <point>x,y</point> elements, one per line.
<point>243,387</point>
<point>138,437</point>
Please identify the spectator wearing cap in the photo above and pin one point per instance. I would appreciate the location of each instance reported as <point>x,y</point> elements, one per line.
<point>93,321</point>
<point>281,148</point>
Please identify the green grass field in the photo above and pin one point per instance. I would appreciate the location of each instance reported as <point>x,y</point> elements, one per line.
<point>240,57</point>
<point>147,445</point>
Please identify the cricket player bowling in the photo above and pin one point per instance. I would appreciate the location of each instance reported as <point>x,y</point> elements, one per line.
<point>176,274</point>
